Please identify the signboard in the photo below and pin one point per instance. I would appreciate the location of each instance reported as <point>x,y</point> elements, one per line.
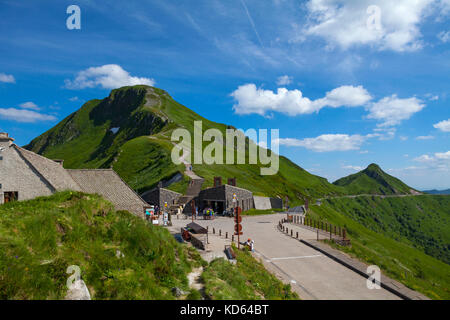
<point>237,221</point>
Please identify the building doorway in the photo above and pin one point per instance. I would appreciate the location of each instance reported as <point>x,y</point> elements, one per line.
<point>11,196</point>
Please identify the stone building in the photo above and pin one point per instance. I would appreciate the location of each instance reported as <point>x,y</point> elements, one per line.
<point>158,196</point>
<point>26,175</point>
<point>220,198</point>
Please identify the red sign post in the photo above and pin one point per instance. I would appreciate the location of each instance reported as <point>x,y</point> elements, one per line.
<point>238,226</point>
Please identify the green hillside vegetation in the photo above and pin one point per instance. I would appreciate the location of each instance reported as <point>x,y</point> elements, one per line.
<point>141,149</point>
<point>382,232</point>
<point>247,280</point>
<point>373,180</point>
<point>421,221</point>
<point>40,238</point>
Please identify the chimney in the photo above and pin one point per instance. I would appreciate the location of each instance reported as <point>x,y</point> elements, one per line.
<point>5,139</point>
<point>232,182</point>
<point>217,181</point>
<point>59,161</point>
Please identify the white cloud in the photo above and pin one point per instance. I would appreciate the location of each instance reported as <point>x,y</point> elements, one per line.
<point>251,99</point>
<point>327,142</point>
<point>355,168</point>
<point>425,138</point>
<point>29,105</point>
<point>443,125</point>
<point>438,161</point>
<point>7,78</point>
<point>73,99</point>
<point>443,155</point>
<point>348,23</point>
<point>432,97</point>
<point>284,80</point>
<point>110,76</point>
<point>444,36</point>
<point>392,110</point>
<point>21,115</point>
<point>348,96</point>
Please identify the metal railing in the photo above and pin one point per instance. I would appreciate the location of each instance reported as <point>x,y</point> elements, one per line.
<point>323,230</point>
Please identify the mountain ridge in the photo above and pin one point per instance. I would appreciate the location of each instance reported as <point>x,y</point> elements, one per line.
<point>373,180</point>
<point>130,131</point>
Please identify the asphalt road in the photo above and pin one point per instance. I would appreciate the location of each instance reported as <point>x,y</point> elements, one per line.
<point>311,274</point>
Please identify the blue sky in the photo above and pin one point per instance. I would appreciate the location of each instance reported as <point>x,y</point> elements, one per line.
<point>347,83</point>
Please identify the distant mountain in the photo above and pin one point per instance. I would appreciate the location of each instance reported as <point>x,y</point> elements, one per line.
<point>444,192</point>
<point>373,180</point>
<point>130,131</point>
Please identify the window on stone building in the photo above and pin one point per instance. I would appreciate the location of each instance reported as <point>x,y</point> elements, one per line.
<point>11,196</point>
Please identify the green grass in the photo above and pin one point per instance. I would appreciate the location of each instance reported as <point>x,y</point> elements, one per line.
<point>247,280</point>
<point>396,255</point>
<point>373,180</point>
<point>421,221</point>
<point>255,212</point>
<point>40,238</point>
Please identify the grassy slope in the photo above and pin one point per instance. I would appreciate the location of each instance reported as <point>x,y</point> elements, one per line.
<point>140,151</point>
<point>422,221</point>
<point>248,280</point>
<point>373,180</point>
<point>372,242</point>
<point>39,239</point>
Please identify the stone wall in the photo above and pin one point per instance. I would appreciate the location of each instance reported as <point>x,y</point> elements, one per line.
<point>17,175</point>
<point>276,203</point>
<point>158,196</point>
<point>225,193</point>
<point>262,203</point>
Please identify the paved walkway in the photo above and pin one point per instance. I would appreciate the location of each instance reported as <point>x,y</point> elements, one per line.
<point>311,274</point>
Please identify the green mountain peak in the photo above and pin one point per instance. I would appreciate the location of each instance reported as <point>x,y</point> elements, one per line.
<point>373,180</point>
<point>130,131</point>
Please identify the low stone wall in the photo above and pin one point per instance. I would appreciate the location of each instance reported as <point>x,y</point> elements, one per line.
<point>158,196</point>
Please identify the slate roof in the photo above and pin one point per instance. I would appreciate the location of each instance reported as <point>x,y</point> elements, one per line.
<point>53,172</point>
<point>299,209</point>
<point>107,183</point>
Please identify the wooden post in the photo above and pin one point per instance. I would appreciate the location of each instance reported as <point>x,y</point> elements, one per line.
<point>334,230</point>
<point>297,234</point>
<point>232,238</point>
<point>331,232</point>
<point>226,235</point>
<point>344,234</point>
<point>291,232</point>
<point>220,232</point>
<point>317,234</point>
<point>214,230</point>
